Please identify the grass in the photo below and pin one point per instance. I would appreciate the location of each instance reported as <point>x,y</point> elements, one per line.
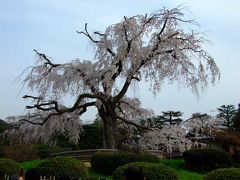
<point>177,164</point>
<point>98,176</point>
<point>31,164</point>
<point>183,172</point>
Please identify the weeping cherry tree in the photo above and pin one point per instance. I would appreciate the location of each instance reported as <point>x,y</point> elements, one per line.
<point>158,47</point>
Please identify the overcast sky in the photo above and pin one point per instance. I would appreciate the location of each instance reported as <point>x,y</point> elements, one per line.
<point>50,27</point>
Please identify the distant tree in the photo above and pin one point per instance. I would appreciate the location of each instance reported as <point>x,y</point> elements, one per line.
<point>153,122</point>
<point>236,120</point>
<point>156,47</point>
<point>201,125</point>
<point>198,123</point>
<point>172,117</point>
<point>169,139</point>
<point>227,112</point>
<point>200,115</point>
<point>3,126</point>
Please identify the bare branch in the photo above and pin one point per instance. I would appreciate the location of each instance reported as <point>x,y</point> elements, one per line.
<point>98,33</point>
<point>84,107</point>
<point>55,107</point>
<point>87,34</point>
<point>32,97</point>
<point>123,90</point>
<point>111,52</point>
<point>32,118</point>
<point>48,61</point>
<point>136,78</point>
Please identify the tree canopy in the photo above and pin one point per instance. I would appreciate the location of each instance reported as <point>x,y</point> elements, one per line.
<point>157,47</point>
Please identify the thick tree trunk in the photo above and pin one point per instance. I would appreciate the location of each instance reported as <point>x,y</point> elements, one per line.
<point>109,126</point>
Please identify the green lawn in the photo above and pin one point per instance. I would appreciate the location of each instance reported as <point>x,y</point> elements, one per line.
<point>177,164</point>
<point>183,172</point>
<point>31,164</point>
<point>98,176</point>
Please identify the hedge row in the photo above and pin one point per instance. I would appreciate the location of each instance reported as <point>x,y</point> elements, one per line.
<point>106,163</point>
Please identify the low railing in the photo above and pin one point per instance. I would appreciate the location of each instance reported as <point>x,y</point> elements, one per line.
<point>86,155</point>
<point>83,155</point>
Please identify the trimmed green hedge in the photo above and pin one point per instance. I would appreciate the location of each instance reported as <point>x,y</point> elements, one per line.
<point>63,166</point>
<point>106,163</point>
<point>207,159</point>
<point>8,167</point>
<point>152,171</point>
<point>223,174</point>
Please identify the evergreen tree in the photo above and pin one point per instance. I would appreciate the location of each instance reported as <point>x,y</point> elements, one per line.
<point>227,112</point>
<point>153,122</point>
<point>236,120</point>
<point>200,115</point>
<point>172,117</point>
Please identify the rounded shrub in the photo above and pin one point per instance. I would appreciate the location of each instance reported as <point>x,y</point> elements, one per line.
<point>106,163</point>
<point>8,167</point>
<point>63,166</point>
<point>223,174</point>
<point>207,159</point>
<point>152,171</point>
